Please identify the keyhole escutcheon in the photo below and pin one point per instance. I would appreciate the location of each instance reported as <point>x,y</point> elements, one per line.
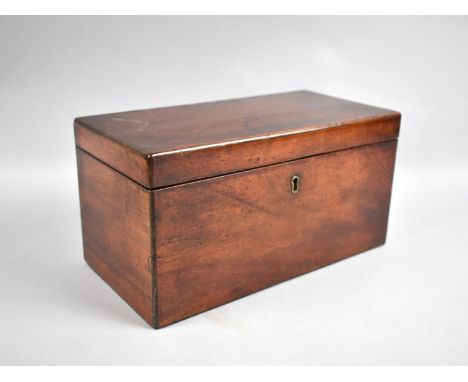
<point>295,184</point>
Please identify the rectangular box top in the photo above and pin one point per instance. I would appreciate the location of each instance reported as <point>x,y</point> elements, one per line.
<point>172,145</point>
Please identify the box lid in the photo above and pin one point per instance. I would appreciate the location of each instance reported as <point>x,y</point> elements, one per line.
<point>172,145</point>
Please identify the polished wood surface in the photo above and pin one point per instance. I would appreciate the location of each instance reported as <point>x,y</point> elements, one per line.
<point>187,208</point>
<point>223,238</point>
<point>173,145</point>
<point>117,237</point>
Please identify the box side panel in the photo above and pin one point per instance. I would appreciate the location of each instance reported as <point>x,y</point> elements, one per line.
<point>224,238</point>
<point>115,214</point>
<point>189,165</point>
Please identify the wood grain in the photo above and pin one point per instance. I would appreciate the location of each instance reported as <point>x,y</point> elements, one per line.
<point>189,207</point>
<point>223,238</point>
<point>117,237</point>
<point>172,145</point>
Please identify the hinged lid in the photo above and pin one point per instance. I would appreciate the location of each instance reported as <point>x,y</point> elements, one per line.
<point>173,145</point>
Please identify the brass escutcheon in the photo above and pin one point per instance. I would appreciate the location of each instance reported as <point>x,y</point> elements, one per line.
<point>295,184</point>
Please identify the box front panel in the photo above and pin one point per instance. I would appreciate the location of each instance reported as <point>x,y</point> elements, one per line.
<point>223,238</point>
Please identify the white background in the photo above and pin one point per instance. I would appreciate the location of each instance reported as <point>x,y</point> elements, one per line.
<point>404,303</point>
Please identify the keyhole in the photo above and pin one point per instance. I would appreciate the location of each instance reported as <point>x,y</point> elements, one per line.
<point>295,184</point>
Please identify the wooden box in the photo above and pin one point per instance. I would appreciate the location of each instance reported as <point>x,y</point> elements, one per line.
<point>186,208</point>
